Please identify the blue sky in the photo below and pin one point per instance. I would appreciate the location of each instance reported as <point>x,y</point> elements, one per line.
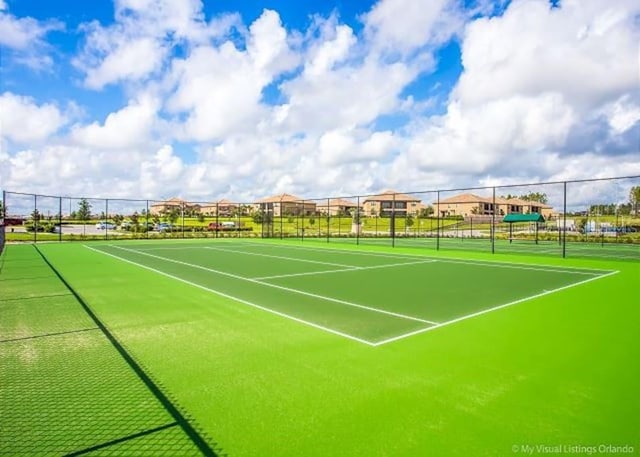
<point>210,99</point>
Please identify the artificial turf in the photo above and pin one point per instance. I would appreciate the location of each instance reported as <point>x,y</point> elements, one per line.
<point>561,368</point>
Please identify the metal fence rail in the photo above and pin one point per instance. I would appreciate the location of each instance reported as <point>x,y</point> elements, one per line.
<point>590,218</point>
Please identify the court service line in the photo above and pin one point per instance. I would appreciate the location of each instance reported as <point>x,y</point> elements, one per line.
<point>240,300</point>
<point>287,289</point>
<point>489,263</point>
<point>280,257</point>
<point>489,310</point>
<point>311,273</point>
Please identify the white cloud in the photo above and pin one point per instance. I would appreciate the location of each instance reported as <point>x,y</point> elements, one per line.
<point>588,52</point>
<point>405,25</point>
<point>24,37</point>
<point>130,60</point>
<point>130,126</point>
<point>22,120</point>
<point>137,45</point>
<point>220,88</point>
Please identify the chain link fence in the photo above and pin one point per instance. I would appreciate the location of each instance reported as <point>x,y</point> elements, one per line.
<point>586,218</point>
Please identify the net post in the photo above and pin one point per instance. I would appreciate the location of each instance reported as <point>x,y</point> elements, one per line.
<point>564,223</point>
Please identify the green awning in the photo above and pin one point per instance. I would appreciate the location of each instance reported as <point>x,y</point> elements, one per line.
<point>517,217</point>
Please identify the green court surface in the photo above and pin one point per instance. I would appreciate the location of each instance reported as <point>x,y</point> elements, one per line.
<point>285,348</point>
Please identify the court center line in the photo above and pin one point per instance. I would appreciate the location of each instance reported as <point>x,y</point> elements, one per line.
<point>239,300</point>
<point>489,263</point>
<point>492,309</point>
<point>287,289</point>
<point>311,273</point>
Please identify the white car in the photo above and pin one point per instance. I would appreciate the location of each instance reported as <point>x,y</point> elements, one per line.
<point>104,225</point>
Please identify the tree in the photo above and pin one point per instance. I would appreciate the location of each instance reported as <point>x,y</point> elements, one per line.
<point>535,197</point>
<point>312,220</point>
<point>634,198</point>
<point>135,220</point>
<point>426,211</point>
<point>409,221</point>
<point>118,218</point>
<point>84,210</point>
<point>200,217</point>
<point>173,215</point>
<point>36,216</point>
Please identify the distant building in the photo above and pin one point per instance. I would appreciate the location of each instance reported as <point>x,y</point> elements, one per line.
<point>337,206</point>
<point>390,201</point>
<point>166,206</point>
<point>468,205</point>
<point>224,208</point>
<point>285,205</point>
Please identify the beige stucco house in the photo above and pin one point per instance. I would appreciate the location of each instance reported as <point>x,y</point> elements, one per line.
<point>166,206</point>
<point>337,206</point>
<point>285,205</point>
<point>223,207</point>
<point>387,202</point>
<point>468,205</point>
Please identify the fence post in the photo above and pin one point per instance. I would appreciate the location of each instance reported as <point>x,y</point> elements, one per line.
<point>493,223</point>
<point>359,221</point>
<point>438,221</point>
<point>392,225</point>
<point>182,207</point>
<point>564,224</point>
<point>59,219</point>
<point>106,219</point>
<point>218,219</point>
<point>35,218</point>
<point>329,219</point>
<point>302,218</point>
<point>146,222</point>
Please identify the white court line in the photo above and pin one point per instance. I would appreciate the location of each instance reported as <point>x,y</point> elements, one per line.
<point>310,273</point>
<point>489,263</point>
<point>280,257</point>
<point>489,310</point>
<point>231,297</point>
<point>288,289</point>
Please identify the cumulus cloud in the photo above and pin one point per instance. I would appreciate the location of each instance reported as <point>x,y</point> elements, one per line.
<point>22,120</point>
<point>217,108</point>
<point>130,126</point>
<point>24,38</point>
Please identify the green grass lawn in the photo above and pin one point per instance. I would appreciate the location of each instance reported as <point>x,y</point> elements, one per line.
<point>259,343</point>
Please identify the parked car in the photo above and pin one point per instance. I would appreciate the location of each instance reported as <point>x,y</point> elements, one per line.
<point>164,227</point>
<point>104,225</point>
<point>227,225</point>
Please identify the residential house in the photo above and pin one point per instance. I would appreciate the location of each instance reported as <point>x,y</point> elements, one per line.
<point>469,205</point>
<point>286,205</point>
<point>390,201</point>
<point>223,208</point>
<point>337,207</point>
<point>164,207</point>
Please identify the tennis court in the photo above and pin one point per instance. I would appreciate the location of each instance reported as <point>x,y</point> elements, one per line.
<point>373,298</point>
<point>281,347</point>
